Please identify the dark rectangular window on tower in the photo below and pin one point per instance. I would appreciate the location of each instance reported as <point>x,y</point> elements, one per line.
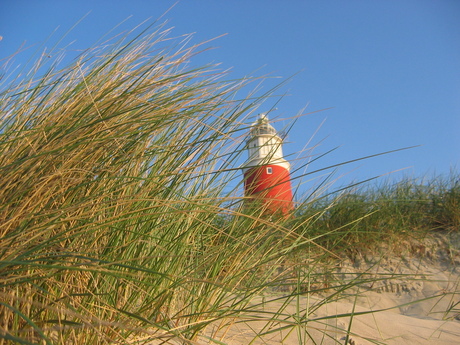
<point>269,171</point>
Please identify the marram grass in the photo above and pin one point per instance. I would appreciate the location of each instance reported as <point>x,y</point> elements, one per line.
<point>116,178</point>
<point>362,217</point>
<point>113,176</point>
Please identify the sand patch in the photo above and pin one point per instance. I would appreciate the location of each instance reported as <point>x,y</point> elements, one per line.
<point>415,303</point>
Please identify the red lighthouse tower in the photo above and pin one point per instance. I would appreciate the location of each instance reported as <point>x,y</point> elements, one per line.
<point>266,172</point>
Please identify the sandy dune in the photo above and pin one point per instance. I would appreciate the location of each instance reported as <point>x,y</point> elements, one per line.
<point>395,318</point>
<point>417,306</point>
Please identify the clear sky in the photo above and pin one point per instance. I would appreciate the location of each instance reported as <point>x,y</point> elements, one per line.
<point>389,70</point>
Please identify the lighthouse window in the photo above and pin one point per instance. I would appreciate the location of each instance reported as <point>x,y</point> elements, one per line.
<point>269,171</point>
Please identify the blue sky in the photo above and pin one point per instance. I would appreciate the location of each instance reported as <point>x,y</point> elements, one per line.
<point>389,70</point>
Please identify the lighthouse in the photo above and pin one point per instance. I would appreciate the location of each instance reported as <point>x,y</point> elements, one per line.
<point>267,182</point>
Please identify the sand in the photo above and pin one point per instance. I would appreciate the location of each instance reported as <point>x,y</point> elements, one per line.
<point>417,306</point>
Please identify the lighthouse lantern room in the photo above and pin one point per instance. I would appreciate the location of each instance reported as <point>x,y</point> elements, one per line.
<point>266,172</point>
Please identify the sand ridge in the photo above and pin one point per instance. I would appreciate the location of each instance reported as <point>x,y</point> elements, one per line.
<point>416,305</point>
